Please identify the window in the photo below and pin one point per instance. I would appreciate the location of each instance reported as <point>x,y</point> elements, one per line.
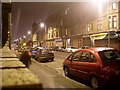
<point>110,24</point>
<point>84,57</point>
<point>76,56</point>
<point>114,22</point>
<point>66,11</point>
<point>92,58</point>
<point>109,56</point>
<point>91,26</point>
<point>88,28</point>
<point>85,30</point>
<point>113,5</point>
<point>99,24</point>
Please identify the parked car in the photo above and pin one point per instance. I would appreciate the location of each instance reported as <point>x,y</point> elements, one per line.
<point>34,50</point>
<point>84,47</point>
<point>98,65</point>
<point>44,55</point>
<point>54,48</point>
<point>71,49</point>
<point>62,49</point>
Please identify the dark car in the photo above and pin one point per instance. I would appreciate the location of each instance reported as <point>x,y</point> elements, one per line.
<point>97,65</point>
<point>44,55</point>
<point>33,50</point>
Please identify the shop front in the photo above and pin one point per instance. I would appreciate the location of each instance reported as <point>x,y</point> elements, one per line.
<point>105,40</point>
<point>97,40</point>
<point>86,41</point>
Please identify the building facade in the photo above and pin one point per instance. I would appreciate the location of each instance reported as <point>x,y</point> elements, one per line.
<point>84,24</point>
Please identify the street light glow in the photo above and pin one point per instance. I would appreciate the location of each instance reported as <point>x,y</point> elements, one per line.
<point>100,4</point>
<point>24,37</point>
<point>29,32</point>
<point>42,25</point>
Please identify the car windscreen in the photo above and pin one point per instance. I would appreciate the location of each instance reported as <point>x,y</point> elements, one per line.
<point>109,56</point>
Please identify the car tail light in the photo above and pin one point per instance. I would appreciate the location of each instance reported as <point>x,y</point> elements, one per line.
<point>106,69</point>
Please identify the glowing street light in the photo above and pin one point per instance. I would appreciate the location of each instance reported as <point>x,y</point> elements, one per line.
<point>24,36</point>
<point>29,32</point>
<point>100,5</point>
<point>42,25</point>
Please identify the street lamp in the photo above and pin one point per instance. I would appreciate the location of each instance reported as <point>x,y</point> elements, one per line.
<point>29,32</point>
<point>99,3</point>
<point>24,37</point>
<point>42,25</point>
<point>108,26</point>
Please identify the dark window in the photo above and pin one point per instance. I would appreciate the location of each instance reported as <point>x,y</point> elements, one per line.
<point>110,56</point>
<point>76,56</point>
<point>92,58</point>
<point>84,57</point>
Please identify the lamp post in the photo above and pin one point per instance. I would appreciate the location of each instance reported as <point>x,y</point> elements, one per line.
<point>108,25</point>
<point>29,33</point>
<point>99,3</point>
<point>42,25</point>
<point>30,39</point>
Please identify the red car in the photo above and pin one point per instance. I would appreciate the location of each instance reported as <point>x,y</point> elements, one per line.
<point>97,65</point>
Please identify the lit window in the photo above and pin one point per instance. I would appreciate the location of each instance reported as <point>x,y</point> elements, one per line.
<point>99,24</point>
<point>66,11</point>
<point>114,22</point>
<point>114,5</point>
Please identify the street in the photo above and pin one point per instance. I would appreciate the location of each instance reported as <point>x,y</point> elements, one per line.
<point>51,73</point>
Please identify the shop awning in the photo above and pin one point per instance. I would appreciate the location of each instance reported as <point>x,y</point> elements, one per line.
<point>98,36</point>
<point>113,35</point>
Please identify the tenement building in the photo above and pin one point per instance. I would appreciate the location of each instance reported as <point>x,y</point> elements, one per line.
<point>84,24</point>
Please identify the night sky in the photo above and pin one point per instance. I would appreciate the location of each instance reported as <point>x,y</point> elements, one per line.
<point>25,13</point>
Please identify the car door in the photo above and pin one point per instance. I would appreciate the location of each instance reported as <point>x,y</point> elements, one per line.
<point>94,65</point>
<point>73,68</point>
<point>83,65</point>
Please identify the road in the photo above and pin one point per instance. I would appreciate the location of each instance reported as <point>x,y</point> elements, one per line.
<point>51,73</point>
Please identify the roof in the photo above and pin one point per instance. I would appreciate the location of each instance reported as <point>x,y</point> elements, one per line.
<point>97,49</point>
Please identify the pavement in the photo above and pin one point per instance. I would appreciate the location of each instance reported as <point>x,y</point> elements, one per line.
<point>14,74</point>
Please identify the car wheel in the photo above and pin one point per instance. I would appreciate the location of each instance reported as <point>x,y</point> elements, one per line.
<point>94,82</point>
<point>66,71</point>
<point>52,59</point>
